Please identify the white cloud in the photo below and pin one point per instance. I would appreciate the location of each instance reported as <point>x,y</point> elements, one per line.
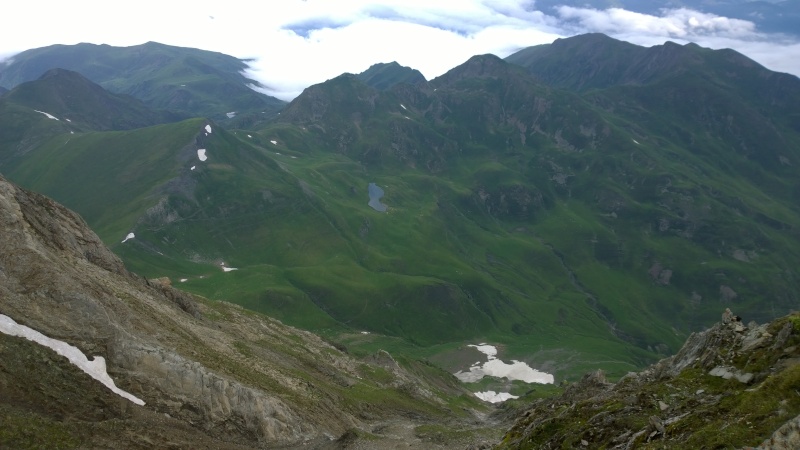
<point>297,43</point>
<point>674,23</point>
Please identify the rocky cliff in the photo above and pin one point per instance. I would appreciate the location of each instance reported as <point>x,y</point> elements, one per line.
<point>211,375</point>
<point>730,386</point>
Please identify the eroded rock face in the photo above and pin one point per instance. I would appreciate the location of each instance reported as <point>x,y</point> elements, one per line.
<point>59,278</point>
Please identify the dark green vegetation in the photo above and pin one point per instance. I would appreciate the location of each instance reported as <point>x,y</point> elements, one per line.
<point>678,403</point>
<point>589,216</point>
<point>184,80</point>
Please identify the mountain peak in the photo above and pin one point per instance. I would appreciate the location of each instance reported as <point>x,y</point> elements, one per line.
<point>59,72</point>
<point>65,93</point>
<point>382,76</point>
<point>479,66</point>
<point>596,61</point>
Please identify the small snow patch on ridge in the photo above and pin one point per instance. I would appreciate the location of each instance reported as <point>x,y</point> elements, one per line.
<point>129,236</point>
<point>403,106</point>
<point>208,128</point>
<point>274,142</point>
<point>201,154</point>
<point>49,116</point>
<point>635,141</point>
<point>231,114</point>
<point>95,368</point>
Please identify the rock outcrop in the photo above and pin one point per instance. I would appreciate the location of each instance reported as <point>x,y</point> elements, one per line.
<point>729,386</point>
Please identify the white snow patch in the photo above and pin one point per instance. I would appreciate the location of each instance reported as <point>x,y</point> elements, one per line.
<point>403,106</point>
<point>193,167</point>
<point>67,120</point>
<point>488,350</point>
<point>208,128</point>
<point>71,132</point>
<point>635,141</point>
<point>494,397</point>
<point>494,367</point>
<point>129,236</point>
<point>95,368</point>
<point>227,269</point>
<point>409,118</point>
<point>201,154</point>
<point>293,157</point>
<point>49,116</point>
<point>183,85</point>
<point>277,153</point>
<point>183,280</point>
<point>274,142</point>
<point>365,332</point>
<point>251,137</point>
<point>231,114</point>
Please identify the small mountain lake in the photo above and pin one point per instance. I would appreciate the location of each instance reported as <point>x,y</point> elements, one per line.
<point>375,194</point>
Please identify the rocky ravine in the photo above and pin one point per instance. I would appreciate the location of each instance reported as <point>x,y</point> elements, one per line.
<point>212,375</point>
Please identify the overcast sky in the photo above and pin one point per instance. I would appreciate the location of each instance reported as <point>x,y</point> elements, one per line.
<point>296,43</point>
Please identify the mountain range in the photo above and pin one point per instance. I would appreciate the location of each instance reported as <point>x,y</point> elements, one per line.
<point>580,205</point>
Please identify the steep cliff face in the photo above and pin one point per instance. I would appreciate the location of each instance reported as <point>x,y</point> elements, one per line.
<point>211,374</point>
<point>728,387</point>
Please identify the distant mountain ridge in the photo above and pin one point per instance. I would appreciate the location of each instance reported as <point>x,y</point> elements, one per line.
<point>68,94</point>
<point>597,61</point>
<point>185,80</point>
